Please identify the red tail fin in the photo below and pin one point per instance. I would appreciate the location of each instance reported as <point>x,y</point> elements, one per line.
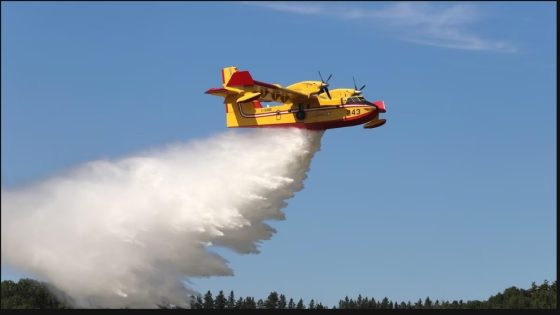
<point>240,78</point>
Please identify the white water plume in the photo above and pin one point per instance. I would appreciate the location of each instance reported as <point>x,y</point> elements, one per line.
<point>127,233</point>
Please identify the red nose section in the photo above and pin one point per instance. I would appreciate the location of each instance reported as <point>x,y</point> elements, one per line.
<point>380,106</point>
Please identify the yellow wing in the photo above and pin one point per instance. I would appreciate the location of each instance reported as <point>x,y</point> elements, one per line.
<point>241,84</point>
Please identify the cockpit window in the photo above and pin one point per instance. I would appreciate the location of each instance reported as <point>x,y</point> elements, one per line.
<point>355,100</point>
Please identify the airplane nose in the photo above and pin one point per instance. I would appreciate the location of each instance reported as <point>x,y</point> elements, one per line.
<point>380,106</point>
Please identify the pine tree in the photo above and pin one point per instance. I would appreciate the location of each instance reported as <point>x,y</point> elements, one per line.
<point>272,301</point>
<point>311,304</point>
<point>282,302</point>
<point>365,303</point>
<point>300,305</point>
<point>454,304</point>
<point>239,304</point>
<point>291,304</point>
<point>385,303</point>
<point>553,295</point>
<point>372,304</point>
<point>533,287</point>
<point>220,301</point>
<point>427,302</point>
<point>231,300</point>
<point>249,303</point>
<point>192,301</point>
<point>208,301</point>
<point>343,304</point>
<point>260,304</point>
<point>196,302</point>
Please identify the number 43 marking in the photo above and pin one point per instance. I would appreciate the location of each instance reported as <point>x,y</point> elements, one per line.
<point>353,112</point>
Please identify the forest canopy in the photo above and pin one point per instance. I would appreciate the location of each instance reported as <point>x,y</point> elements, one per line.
<point>33,294</point>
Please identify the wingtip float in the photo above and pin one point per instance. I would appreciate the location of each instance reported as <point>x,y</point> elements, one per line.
<point>306,104</point>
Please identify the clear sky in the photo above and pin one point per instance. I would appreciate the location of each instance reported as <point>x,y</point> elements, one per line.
<point>454,198</point>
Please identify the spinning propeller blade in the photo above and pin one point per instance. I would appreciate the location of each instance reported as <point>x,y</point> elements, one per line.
<point>357,91</point>
<point>324,85</point>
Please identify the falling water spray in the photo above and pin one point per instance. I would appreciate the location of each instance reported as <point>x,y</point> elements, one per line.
<point>127,233</point>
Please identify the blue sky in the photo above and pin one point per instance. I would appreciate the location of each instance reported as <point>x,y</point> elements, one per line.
<point>455,197</point>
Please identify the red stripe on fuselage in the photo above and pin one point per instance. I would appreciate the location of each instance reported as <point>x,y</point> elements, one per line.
<point>344,122</point>
<point>321,108</point>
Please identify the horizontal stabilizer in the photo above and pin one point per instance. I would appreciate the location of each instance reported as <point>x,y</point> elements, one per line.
<point>218,92</point>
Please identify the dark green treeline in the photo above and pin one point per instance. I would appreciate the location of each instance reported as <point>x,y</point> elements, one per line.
<point>537,297</point>
<point>28,293</point>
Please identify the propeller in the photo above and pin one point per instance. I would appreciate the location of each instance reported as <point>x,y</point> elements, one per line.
<point>324,85</point>
<point>357,91</point>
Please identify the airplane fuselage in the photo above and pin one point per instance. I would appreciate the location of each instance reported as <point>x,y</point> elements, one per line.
<point>301,115</point>
<point>305,104</point>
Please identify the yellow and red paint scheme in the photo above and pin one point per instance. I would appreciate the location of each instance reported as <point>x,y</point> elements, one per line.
<point>302,105</point>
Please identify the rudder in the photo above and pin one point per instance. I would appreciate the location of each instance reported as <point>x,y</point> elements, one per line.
<point>227,72</point>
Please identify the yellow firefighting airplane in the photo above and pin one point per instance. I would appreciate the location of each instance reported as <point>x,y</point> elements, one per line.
<point>307,104</point>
